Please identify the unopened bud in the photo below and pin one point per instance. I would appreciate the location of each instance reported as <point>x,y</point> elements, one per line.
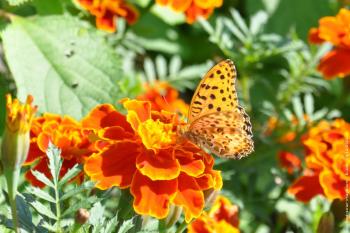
<point>16,138</point>
<point>82,216</point>
<point>326,223</point>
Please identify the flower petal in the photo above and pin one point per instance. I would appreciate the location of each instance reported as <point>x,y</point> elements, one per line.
<point>189,196</point>
<point>332,185</point>
<point>152,197</point>
<point>335,63</point>
<point>105,115</point>
<point>306,187</point>
<point>158,166</point>
<point>114,166</point>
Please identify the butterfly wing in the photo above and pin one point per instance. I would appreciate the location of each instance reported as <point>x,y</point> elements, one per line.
<point>216,92</point>
<point>227,134</point>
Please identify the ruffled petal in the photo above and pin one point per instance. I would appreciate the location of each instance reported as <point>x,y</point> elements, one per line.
<point>158,166</point>
<point>190,197</point>
<point>335,63</point>
<point>152,197</point>
<point>189,165</point>
<point>105,115</point>
<point>333,186</point>
<point>114,166</point>
<point>306,187</point>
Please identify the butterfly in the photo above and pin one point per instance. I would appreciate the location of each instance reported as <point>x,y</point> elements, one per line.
<point>215,120</point>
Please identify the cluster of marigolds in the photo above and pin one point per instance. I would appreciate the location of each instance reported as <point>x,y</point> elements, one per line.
<point>139,151</point>
<point>107,11</point>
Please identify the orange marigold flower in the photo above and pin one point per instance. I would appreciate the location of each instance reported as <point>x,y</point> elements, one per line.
<point>65,133</point>
<point>164,97</point>
<point>335,30</point>
<point>326,162</point>
<point>192,8</point>
<point>222,217</point>
<point>289,161</point>
<point>107,12</point>
<point>140,151</point>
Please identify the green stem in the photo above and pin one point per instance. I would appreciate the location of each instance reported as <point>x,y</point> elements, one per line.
<point>182,227</point>
<point>12,183</point>
<point>58,208</point>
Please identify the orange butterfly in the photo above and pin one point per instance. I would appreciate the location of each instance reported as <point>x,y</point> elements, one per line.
<point>215,120</point>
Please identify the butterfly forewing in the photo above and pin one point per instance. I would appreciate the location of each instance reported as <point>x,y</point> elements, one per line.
<point>215,120</point>
<point>216,92</point>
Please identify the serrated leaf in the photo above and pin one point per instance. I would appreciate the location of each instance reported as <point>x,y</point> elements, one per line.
<point>55,162</point>
<point>239,21</point>
<point>64,63</point>
<point>96,214</point>
<point>309,104</point>
<point>175,65</point>
<point>70,174</point>
<point>85,186</point>
<point>111,225</point>
<point>127,225</point>
<point>40,176</point>
<point>39,193</point>
<point>150,70</point>
<point>42,209</point>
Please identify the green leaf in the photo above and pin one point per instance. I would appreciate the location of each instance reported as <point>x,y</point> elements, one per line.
<point>64,63</point>
<point>71,173</point>
<point>127,225</point>
<point>40,176</point>
<point>42,209</point>
<point>40,194</point>
<point>55,162</point>
<point>111,225</point>
<point>96,214</point>
<point>85,186</point>
<point>24,214</point>
<point>48,7</point>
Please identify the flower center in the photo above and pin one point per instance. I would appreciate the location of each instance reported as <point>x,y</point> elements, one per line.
<point>156,134</point>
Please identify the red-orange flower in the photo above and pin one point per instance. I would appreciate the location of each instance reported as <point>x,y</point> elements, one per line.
<point>63,132</point>
<point>335,30</point>
<point>107,12</point>
<point>192,8</point>
<point>222,217</point>
<point>289,161</point>
<point>326,149</point>
<point>141,151</point>
<point>164,97</point>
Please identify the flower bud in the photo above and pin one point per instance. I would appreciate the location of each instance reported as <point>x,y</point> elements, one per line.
<point>16,138</point>
<point>82,216</point>
<point>326,223</point>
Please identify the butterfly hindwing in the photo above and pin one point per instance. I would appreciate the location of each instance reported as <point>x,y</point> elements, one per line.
<point>227,134</point>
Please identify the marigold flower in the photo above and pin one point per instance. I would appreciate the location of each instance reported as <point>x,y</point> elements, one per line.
<point>65,133</point>
<point>192,8</point>
<point>164,97</point>
<point>336,31</point>
<point>139,151</point>
<point>107,12</point>
<point>326,162</point>
<point>289,161</point>
<point>222,217</point>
